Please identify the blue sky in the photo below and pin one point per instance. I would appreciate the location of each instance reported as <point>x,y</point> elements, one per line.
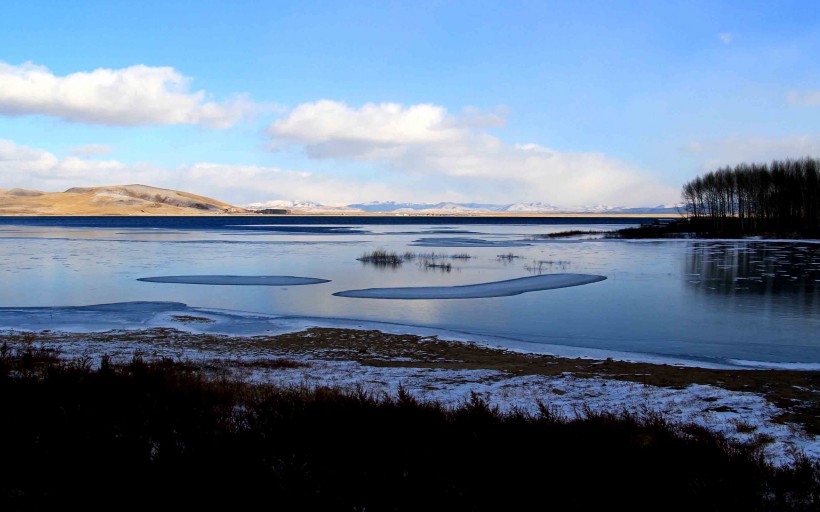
<point>570,103</point>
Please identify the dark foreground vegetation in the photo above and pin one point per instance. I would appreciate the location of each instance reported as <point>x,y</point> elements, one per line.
<point>781,197</point>
<point>160,435</point>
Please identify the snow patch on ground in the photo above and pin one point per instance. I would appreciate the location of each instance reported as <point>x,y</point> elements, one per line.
<point>739,416</point>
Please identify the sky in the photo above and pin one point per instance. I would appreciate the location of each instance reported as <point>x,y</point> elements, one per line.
<point>565,103</point>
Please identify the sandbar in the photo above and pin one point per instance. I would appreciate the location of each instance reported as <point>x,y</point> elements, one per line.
<point>477,291</point>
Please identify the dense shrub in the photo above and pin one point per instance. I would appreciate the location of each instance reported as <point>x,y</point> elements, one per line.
<point>160,435</point>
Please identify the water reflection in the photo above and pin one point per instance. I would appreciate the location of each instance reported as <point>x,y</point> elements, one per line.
<point>790,272</point>
<point>547,266</point>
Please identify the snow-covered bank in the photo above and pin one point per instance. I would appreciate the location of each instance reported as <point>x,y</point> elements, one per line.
<point>737,415</point>
<point>370,361</point>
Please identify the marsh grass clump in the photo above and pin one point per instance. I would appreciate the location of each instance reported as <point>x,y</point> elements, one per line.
<point>426,260</point>
<point>428,264</point>
<point>148,432</point>
<point>541,266</point>
<point>507,258</point>
<point>382,258</point>
<point>439,260</point>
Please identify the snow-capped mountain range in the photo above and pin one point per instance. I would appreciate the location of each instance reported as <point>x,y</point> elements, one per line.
<point>452,208</point>
<point>299,206</point>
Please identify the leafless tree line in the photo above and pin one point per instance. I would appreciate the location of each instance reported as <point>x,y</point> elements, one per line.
<point>782,196</point>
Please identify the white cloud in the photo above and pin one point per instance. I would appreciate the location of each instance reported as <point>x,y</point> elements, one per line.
<point>26,167</point>
<point>243,184</point>
<point>329,129</point>
<point>804,99</point>
<point>136,95</point>
<point>462,166</point>
<point>16,158</point>
<point>736,150</point>
<point>424,140</point>
<point>92,149</point>
<point>726,37</point>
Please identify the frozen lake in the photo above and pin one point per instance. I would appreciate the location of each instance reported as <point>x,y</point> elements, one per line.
<point>700,300</point>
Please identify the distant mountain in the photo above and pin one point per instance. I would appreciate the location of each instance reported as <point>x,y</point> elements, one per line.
<point>659,210</point>
<point>300,207</point>
<point>537,207</point>
<point>448,208</point>
<point>530,208</point>
<point>392,206</point>
<point>111,200</point>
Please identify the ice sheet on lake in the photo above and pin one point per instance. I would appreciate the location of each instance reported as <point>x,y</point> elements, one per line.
<point>300,230</point>
<point>466,242</point>
<point>474,291</point>
<point>236,280</point>
<point>145,315</point>
<point>777,366</point>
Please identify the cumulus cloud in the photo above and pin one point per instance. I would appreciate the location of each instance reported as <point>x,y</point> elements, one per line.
<point>28,160</point>
<point>92,149</point>
<point>136,95</point>
<point>330,129</point>
<point>424,140</point>
<point>804,99</point>
<point>25,167</point>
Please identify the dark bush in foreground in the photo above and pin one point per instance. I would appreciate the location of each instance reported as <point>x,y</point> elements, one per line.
<point>160,435</point>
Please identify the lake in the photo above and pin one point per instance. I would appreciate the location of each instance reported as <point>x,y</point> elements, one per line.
<point>721,301</point>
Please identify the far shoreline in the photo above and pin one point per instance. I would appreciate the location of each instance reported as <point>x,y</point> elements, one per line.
<point>368,214</point>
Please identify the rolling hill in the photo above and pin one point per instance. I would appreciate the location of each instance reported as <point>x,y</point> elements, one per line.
<point>111,200</point>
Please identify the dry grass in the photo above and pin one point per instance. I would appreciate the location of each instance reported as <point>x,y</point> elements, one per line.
<point>160,434</point>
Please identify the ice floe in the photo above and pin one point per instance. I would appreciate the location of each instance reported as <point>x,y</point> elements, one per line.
<point>466,242</point>
<point>236,280</point>
<point>474,291</point>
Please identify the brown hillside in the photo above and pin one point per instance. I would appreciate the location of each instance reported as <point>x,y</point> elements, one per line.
<point>111,200</point>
